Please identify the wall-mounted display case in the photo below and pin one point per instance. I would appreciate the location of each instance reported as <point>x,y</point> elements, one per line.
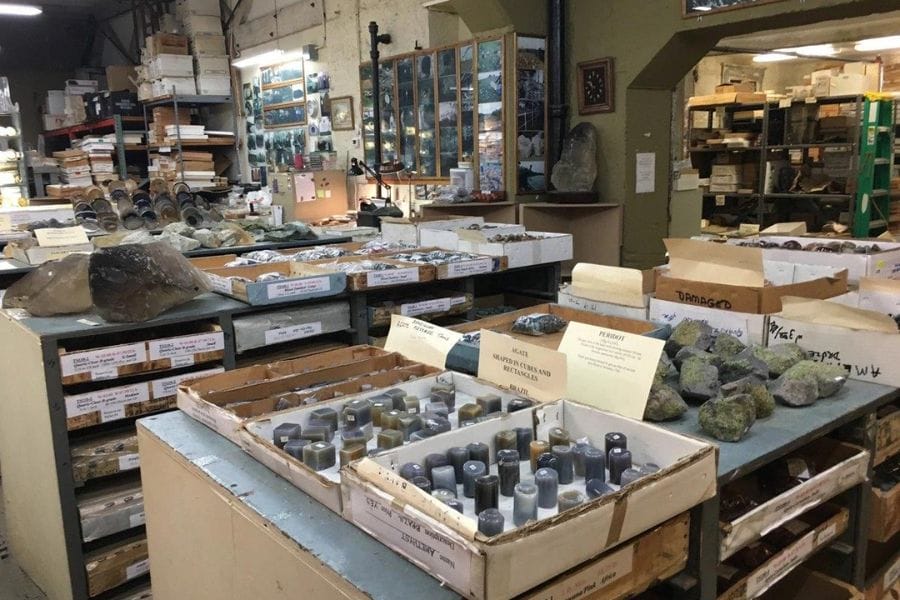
<point>531,114</point>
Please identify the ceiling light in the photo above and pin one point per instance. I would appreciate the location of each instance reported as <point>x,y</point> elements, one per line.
<point>20,10</point>
<point>772,57</point>
<point>819,50</point>
<point>269,57</point>
<point>882,43</point>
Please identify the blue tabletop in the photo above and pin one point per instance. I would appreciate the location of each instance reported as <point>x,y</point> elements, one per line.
<point>787,428</point>
<point>367,564</point>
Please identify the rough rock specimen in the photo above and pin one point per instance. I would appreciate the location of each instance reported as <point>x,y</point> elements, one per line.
<point>577,166</point>
<point>826,380</point>
<point>699,380</point>
<point>763,400</point>
<point>742,365</point>
<point>207,238</point>
<point>138,282</point>
<point>689,333</point>
<point>179,242</point>
<point>795,392</point>
<point>728,419</point>
<point>689,351</point>
<point>779,357</point>
<point>664,404</point>
<point>727,345</point>
<point>58,287</point>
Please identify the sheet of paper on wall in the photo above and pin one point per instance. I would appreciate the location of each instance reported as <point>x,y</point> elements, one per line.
<point>609,369</point>
<point>645,173</point>
<point>533,371</point>
<point>420,341</point>
<point>304,187</point>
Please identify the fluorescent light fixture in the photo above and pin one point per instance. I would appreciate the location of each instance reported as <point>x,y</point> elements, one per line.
<point>819,50</point>
<point>772,57</point>
<point>702,8</point>
<point>265,58</point>
<point>874,44</point>
<point>20,10</point>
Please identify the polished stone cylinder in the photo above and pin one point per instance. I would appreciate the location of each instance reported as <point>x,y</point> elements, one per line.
<point>594,464</point>
<point>578,456</point>
<point>629,476</point>
<point>508,470</point>
<point>505,440</point>
<point>570,499</point>
<point>411,469</point>
<point>444,478</point>
<point>535,449</point>
<point>565,463</point>
<point>547,482</point>
<point>456,505</point>
<point>423,483</point>
<point>524,436</point>
<point>619,460</point>
<point>443,494</point>
<point>558,437</point>
<point>458,457</point>
<point>479,451</point>
<point>434,460</point>
<point>490,522</point>
<point>472,470</point>
<point>596,488</point>
<point>487,492</point>
<point>548,461</point>
<point>616,440</point>
<point>525,503</point>
<point>517,404</point>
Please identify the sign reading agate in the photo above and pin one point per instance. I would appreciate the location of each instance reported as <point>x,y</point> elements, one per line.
<point>521,367</point>
<point>702,7</point>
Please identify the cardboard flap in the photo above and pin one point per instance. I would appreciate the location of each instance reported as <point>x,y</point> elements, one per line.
<point>790,228</point>
<point>615,285</point>
<point>472,235</point>
<point>821,312</point>
<point>880,286</point>
<point>715,263</point>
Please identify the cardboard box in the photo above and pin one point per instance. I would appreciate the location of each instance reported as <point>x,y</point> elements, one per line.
<point>208,44</point>
<point>199,24</point>
<point>214,85</point>
<point>849,84</point>
<point>546,248</point>
<point>840,466</point>
<point>117,564</point>
<point>882,571</point>
<point>79,87</point>
<point>198,7</point>
<point>106,455</point>
<point>884,518</point>
<point>803,583</point>
<point>112,362</point>
<point>302,282</point>
<point>885,263</point>
<point>212,65</point>
<point>404,274</point>
<point>324,486</point>
<point>887,437</point>
<point>477,265</point>
<point>110,510</point>
<point>750,328</point>
<point>52,122</point>
<point>171,65</point>
<point>732,278</point>
<point>863,342</point>
<point>726,98</point>
<point>823,525</point>
<point>447,545</point>
<point>434,233</point>
<point>54,102</point>
<point>441,304</point>
<point>736,87</point>
<point>121,78</point>
<point>262,329</point>
<point>166,43</point>
<point>567,297</point>
<point>179,85</point>
<point>406,230</point>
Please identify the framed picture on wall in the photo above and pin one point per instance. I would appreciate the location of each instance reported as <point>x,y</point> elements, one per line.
<point>694,8</point>
<point>341,109</point>
<point>596,91</point>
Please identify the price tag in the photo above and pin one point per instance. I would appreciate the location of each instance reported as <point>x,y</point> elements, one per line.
<point>392,277</point>
<point>720,199</point>
<point>127,462</point>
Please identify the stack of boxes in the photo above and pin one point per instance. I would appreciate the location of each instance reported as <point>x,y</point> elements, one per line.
<point>164,116</point>
<point>891,78</point>
<point>65,108</point>
<point>849,80</point>
<point>75,169</point>
<point>99,152</point>
<point>733,178</point>
<point>165,67</point>
<point>199,168</point>
<point>202,22</point>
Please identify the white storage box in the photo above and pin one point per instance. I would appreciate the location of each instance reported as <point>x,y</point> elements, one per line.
<point>435,233</point>
<point>55,102</point>
<point>178,85</point>
<point>748,327</point>
<point>570,300</point>
<point>545,248</point>
<point>276,327</point>
<point>199,24</point>
<point>208,8</point>
<point>394,229</point>
<point>214,85</point>
<point>208,44</point>
<point>205,66</point>
<point>171,65</point>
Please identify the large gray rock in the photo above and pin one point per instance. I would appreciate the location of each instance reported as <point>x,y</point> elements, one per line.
<point>58,287</point>
<point>577,166</point>
<point>727,345</point>
<point>795,392</point>
<point>179,242</point>
<point>689,333</point>
<point>207,238</point>
<point>829,379</point>
<point>742,365</point>
<point>699,380</point>
<point>664,404</point>
<point>756,389</point>
<point>692,351</point>
<point>728,419</point>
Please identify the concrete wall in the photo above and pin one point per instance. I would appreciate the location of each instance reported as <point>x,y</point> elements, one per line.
<point>654,47</point>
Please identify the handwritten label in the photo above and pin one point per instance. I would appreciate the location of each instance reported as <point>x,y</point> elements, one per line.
<point>470,267</point>
<point>392,277</point>
<point>182,361</point>
<point>592,579</point>
<point>445,557</point>
<point>691,298</point>
<point>137,569</point>
<point>524,368</point>
<point>619,363</point>
<point>137,520</point>
<point>127,462</point>
<point>779,566</point>
<point>298,287</point>
<point>220,284</point>
<point>426,306</point>
<point>186,345</point>
<point>168,387</point>
<point>294,332</point>
<point>110,402</point>
<point>61,236</point>
<point>427,343</point>
<point>826,534</point>
<point>103,361</point>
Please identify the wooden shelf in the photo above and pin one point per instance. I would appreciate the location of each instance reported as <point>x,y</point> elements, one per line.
<point>493,212</point>
<point>89,127</point>
<point>194,144</point>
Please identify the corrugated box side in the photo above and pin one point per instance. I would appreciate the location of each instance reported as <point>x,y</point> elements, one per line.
<point>401,229</point>
<point>549,247</point>
<point>448,239</point>
<point>570,300</point>
<point>884,519</point>
<point>750,328</point>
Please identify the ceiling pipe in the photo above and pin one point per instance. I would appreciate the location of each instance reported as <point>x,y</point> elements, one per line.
<point>556,89</point>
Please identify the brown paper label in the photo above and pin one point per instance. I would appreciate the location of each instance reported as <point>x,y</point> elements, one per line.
<point>524,368</point>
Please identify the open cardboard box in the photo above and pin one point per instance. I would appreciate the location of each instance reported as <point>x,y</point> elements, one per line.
<point>479,265</point>
<point>159,354</point>
<point>433,305</point>
<point>302,281</point>
<point>884,518</point>
<point>882,571</point>
<point>405,273</point>
<point>324,486</point>
<point>447,544</point>
<point>407,230</point>
<point>606,290</point>
<point>547,248</point>
<point>840,466</point>
<point>737,279</point>
<point>822,525</point>
<point>885,263</point>
<point>448,239</point>
<point>866,343</point>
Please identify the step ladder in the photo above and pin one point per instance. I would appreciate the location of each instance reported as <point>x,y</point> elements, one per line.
<point>872,205</point>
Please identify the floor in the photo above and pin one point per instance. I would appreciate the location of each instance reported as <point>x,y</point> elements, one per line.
<point>14,584</point>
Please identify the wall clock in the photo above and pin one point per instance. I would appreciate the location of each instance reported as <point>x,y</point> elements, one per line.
<point>596,91</point>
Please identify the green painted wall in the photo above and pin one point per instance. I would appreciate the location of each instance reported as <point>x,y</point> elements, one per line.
<point>654,47</point>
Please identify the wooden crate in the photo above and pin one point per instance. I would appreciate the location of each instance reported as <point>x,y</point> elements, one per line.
<point>884,518</point>
<point>887,437</point>
<point>404,274</point>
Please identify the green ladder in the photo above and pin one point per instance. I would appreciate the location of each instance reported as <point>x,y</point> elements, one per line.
<point>872,206</point>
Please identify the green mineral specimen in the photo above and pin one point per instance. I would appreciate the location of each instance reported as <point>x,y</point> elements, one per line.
<point>727,345</point>
<point>689,333</point>
<point>727,419</point>
<point>795,391</point>
<point>780,357</point>
<point>664,404</point>
<point>740,366</point>
<point>689,351</point>
<point>829,378</point>
<point>699,380</point>
<point>763,399</point>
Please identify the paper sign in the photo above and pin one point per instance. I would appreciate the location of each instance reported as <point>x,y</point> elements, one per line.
<point>392,277</point>
<point>424,342</point>
<point>645,173</point>
<point>292,332</point>
<point>611,370</point>
<point>304,188</point>
<point>298,287</point>
<point>61,236</point>
<point>524,368</point>
<point>715,263</point>
<point>470,267</point>
<point>110,402</point>
<point>616,285</point>
<point>426,306</point>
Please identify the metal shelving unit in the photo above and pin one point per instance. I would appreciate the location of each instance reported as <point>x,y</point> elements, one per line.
<point>187,102</point>
<point>119,124</point>
<point>13,118</point>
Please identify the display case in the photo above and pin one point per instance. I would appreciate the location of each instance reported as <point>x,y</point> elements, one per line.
<point>489,96</point>
<point>368,112</point>
<point>531,123</point>
<point>466,101</point>
<point>426,105</point>
<point>448,110</point>
<point>388,103</point>
<point>406,109</point>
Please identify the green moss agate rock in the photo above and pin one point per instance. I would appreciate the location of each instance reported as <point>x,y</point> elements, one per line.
<point>699,380</point>
<point>689,333</point>
<point>780,357</point>
<point>664,404</point>
<point>728,419</point>
<point>727,345</point>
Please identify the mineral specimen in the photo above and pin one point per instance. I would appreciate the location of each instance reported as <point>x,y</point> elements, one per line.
<point>138,282</point>
<point>699,380</point>
<point>689,351</point>
<point>664,404</point>
<point>57,287</point>
<point>779,357</point>
<point>795,392</point>
<point>728,419</point>
<point>829,379</point>
<point>689,333</point>
<point>740,366</point>
<point>538,324</point>
<point>207,238</point>
<point>577,166</point>
<point>727,345</point>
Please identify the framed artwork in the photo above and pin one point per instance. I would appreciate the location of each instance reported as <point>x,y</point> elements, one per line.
<point>694,8</point>
<point>283,74</point>
<point>284,117</point>
<point>341,109</point>
<point>596,91</point>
